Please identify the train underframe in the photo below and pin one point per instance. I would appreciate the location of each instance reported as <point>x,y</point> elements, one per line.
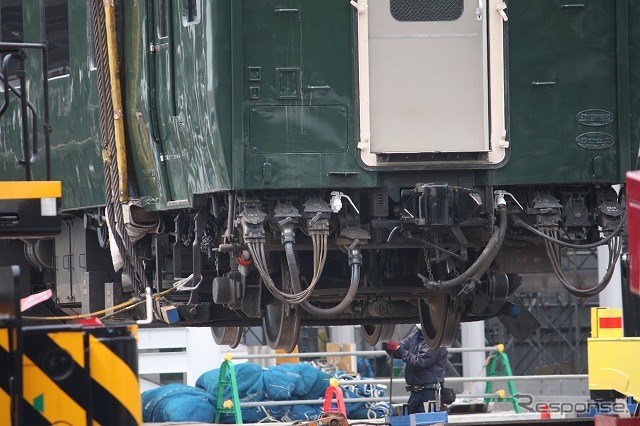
<point>437,254</point>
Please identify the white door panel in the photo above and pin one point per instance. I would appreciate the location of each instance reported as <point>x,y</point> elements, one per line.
<point>428,80</point>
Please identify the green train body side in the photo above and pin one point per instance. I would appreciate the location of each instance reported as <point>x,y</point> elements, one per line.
<point>309,50</point>
<point>205,139</point>
<point>583,126</point>
<point>178,104</point>
<point>73,103</point>
<point>215,106</point>
<point>264,51</point>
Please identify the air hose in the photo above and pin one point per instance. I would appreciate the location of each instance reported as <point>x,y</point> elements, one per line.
<point>355,260</point>
<point>483,261</point>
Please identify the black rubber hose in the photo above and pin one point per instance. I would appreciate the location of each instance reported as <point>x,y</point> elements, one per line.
<point>483,261</point>
<point>554,255</point>
<point>521,223</point>
<point>351,294</point>
<point>305,304</point>
<point>293,267</point>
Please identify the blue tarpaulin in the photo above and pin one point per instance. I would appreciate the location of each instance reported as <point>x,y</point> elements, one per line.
<point>286,382</point>
<point>178,403</point>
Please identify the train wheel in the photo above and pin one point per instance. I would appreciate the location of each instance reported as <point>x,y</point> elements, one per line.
<point>281,322</point>
<point>227,335</point>
<point>281,326</point>
<point>376,333</point>
<point>440,320</point>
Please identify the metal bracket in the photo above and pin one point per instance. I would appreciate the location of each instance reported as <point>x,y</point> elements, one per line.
<point>479,11</point>
<point>360,5</point>
<point>500,7</point>
<point>501,193</point>
<point>252,220</point>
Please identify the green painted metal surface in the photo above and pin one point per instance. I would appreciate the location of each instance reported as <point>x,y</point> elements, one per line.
<point>565,110</point>
<point>178,101</point>
<point>76,153</point>
<point>139,92</point>
<point>203,96</point>
<point>323,129</point>
<point>297,95</point>
<point>248,94</point>
<point>73,114</point>
<point>160,26</point>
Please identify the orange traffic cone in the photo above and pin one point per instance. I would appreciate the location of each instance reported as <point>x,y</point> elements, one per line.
<point>544,412</point>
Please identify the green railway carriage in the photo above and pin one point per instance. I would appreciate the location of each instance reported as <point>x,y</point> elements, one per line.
<point>288,162</point>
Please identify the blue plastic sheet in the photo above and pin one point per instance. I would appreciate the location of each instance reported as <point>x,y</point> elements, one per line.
<point>285,382</point>
<point>178,403</point>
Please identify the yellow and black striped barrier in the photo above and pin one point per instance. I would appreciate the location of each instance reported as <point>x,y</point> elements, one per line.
<point>74,375</point>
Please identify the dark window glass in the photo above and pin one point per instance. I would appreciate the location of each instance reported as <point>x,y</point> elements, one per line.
<point>56,22</point>
<point>426,10</point>
<point>191,12</point>
<point>11,23</point>
<point>163,18</point>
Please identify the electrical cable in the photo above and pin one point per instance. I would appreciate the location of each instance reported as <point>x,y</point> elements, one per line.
<point>89,315</point>
<point>521,223</point>
<point>124,306</point>
<point>554,254</point>
<point>553,246</point>
<point>256,249</point>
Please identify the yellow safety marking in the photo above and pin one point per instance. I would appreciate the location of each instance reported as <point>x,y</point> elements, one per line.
<point>57,404</point>
<point>18,190</point>
<point>133,329</point>
<point>113,374</point>
<point>4,339</point>
<point>5,398</point>
<point>606,323</point>
<point>5,408</point>
<point>73,343</point>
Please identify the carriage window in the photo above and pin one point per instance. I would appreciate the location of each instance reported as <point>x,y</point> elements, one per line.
<point>56,22</point>
<point>11,23</point>
<point>162,15</point>
<point>190,12</point>
<point>426,10</point>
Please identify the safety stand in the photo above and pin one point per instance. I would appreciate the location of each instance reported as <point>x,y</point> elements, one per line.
<point>334,391</point>
<point>491,364</point>
<point>11,347</point>
<point>231,406</point>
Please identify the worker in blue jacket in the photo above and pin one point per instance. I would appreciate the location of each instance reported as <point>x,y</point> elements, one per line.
<point>424,371</point>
